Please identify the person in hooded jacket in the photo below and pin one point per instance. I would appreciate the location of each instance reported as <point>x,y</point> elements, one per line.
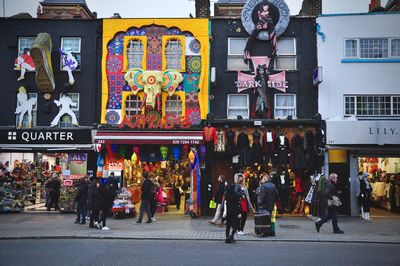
<point>81,202</point>
<point>232,197</point>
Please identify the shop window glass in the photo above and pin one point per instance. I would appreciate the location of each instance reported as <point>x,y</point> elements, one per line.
<point>66,120</point>
<point>173,54</point>
<point>238,105</point>
<point>73,45</point>
<point>173,105</point>
<point>285,105</point>
<point>135,51</point>
<point>25,121</point>
<point>235,54</point>
<point>132,105</point>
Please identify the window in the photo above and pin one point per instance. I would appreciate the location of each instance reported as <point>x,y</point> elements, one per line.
<point>235,54</point>
<point>73,45</point>
<point>238,105</point>
<point>372,48</point>
<point>173,105</point>
<point>134,54</point>
<point>371,105</point>
<point>286,57</point>
<point>66,120</point>
<point>285,105</point>
<point>25,120</point>
<point>24,43</point>
<point>132,105</point>
<point>173,54</point>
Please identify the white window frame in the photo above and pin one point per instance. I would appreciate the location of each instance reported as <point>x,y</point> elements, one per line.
<point>77,53</point>
<point>133,110</point>
<point>285,107</point>
<point>235,56</point>
<point>34,113</point>
<point>287,55</point>
<point>246,108</point>
<point>369,115</point>
<point>21,51</point>
<point>73,109</point>
<point>171,57</point>
<point>176,101</point>
<point>358,53</point>
<point>134,53</point>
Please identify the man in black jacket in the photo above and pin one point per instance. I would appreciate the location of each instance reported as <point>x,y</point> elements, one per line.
<point>146,197</point>
<point>330,194</point>
<point>232,196</point>
<point>267,195</point>
<point>81,202</point>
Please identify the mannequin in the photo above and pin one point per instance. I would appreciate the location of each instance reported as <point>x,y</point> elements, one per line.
<point>268,145</point>
<point>210,139</point>
<point>365,196</point>
<point>282,148</point>
<point>243,148</point>
<point>283,182</point>
<point>256,150</point>
<point>298,161</point>
<point>220,146</point>
<point>230,146</point>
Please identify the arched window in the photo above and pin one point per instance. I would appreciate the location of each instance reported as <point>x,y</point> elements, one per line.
<point>134,53</point>
<point>173,105</point>
<point>173,54</point>
<point>132,105</point>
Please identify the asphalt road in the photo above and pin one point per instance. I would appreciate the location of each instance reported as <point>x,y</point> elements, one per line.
<point>163,252</point>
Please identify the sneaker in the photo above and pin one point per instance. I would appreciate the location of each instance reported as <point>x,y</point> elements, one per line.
<point>137,222</point>
<point>317,226</point>
<point>338,231</point>
<point>41,56</point>
<point>153,219</point>
<point>241,233</point>
<point>149,222</point>
<point>105,228</point>
<point>98,226</point>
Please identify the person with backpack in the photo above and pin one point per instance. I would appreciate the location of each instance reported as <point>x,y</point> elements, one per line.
<point>266,197</point>
<point>232,197</point>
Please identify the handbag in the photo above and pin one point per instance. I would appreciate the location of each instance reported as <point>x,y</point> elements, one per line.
<point>212,204</point>
<point>335,201</point>
<point>180,190</point>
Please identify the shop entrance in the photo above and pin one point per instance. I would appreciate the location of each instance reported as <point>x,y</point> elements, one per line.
<point>30,181</point>
<point>384,177</point>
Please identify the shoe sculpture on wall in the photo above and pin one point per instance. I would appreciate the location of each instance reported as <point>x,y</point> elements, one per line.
<point>41,55</point>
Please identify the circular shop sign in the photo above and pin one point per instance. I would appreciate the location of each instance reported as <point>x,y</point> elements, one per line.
<point>278,11</point>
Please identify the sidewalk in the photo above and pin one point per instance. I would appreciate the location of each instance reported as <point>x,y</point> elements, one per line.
<point>297,229</point>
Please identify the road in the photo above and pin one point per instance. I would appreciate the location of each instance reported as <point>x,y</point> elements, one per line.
<point>164,252</point>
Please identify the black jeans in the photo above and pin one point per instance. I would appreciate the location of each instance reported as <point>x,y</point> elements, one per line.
<point>81,213</point>
<point>231,222</point>
<point>144,206</point>
<point>242,220</point>
<point>332,214</point>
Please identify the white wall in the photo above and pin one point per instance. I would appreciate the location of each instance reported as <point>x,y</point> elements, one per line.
<point>352,78</point>
<point>347,6</point>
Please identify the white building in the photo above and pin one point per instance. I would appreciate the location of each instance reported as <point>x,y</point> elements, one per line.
<point>359,98</point>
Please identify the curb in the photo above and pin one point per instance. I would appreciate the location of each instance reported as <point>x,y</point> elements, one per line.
<point>197,239</point>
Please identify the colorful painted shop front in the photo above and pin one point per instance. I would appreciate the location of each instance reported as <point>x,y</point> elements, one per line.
<point>154,97</point>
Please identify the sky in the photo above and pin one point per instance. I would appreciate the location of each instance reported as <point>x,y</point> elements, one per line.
<point>171,8</point>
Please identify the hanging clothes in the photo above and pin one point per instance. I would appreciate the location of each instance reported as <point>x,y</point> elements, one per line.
<point>297,160</point>
<point>230,146</point>
<point>256,150</point>
<point>210,139</point>
<point>282,150</point>
<point>311,158</point>
<point>268,146</point>
<point>220,146</point>
<point>243,149</point>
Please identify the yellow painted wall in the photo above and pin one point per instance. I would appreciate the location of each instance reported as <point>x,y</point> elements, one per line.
<point>337,156</point>
<point>199,29</point>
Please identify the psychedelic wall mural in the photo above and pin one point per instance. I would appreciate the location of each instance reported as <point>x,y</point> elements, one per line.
<point>153,60</point>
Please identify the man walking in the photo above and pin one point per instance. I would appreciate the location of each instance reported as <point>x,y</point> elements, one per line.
<point>218,198</point>
<point>333,204</point>
<point>146,197</point>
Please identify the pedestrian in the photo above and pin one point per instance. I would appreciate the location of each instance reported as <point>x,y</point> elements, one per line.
<point>245,204</point>
<point>365,196</point>
<point>112,184</point>
<point>145,197</point>
<point>53,186</point>
<point>178,191</point>
<point>266,198</point>
<point>103,202</point>
<point>232,197</point>
<point>333,203</point>
<point>157,200</point>
<point>253,184</point>
<point>81,202</point>
<point>218,199</point>
<point>91,205</point>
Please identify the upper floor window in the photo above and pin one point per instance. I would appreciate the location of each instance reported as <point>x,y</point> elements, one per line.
<point>238,105</point>
<point>73,45</point>
<point>66,119</point>
<point>284,105</point>
<point>24,43</point>
<point>371,105</point>
<point>132,105</point>
<point>173,54</point>
<point>235,54</point>
<point>173,105</point>
<point>372,48</point>
<point>25,119</point>
<point>286,57</point>
<point>134,53</point>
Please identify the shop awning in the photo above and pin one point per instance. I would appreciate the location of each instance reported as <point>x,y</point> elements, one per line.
<point>149,137</point>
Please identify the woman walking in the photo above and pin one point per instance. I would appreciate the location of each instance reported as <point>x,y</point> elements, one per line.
<point>245,204</point>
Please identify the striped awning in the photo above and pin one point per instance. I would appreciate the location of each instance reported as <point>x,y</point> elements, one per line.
<point>149,137</point>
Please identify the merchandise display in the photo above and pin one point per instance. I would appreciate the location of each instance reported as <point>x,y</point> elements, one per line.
<point>122,206</point>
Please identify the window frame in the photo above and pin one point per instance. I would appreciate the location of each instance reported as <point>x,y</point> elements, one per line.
<point>182,40</point>
<point>355,96</point>
<point>284,107</point>
<point>358,47</point>
<point>286,55</point>
<point>79,68</point>
<point>73,109</point>
<point>164,97</point>
<point>125,96</point>
<point>235,56</point>
<point>19,44</point>
<point>127,39</point>
<point>34,112</point>
<point>228,107</point>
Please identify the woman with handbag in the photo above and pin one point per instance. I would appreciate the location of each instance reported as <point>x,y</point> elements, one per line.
<point>245,204</point>
<point>218,199</point>
<point>333,204</point>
